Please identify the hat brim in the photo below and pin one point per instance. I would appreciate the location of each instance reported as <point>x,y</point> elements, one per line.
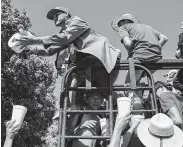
<point>52,12</point>
<point>115,22</point>
<point>151,141</point>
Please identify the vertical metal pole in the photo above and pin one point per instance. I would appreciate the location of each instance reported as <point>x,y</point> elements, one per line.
<point>154,94</point>
<point>151,95</point>
<point>107,116</point>
<point>61,102</point>
<point>64,122</point>
<point>110,106</point>
<point>60,127</point>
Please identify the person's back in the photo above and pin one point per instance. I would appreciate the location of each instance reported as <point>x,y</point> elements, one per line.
<point>145,41</point>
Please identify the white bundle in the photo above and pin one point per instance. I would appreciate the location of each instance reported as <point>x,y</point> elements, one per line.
<point>18,46</point>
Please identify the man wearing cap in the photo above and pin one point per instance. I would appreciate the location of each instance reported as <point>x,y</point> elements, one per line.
<point>141,41</point>
<point>76,31</point>
<point>85,41</point>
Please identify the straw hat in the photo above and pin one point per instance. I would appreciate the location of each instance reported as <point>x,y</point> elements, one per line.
<point>160,130</point>
<point>115,22</point>
<point>52,12</point>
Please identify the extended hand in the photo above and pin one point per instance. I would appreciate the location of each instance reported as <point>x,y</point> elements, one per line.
<point>122,121</point>
<point>11,129</point>
<point>89,124</point>
<point>29,39</point>
<point>135,123</point>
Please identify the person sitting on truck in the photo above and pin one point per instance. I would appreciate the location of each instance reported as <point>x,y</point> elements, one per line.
<point>142,42</point>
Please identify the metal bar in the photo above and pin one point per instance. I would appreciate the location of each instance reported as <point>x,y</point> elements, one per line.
<point>88,79</point>
<point>61,140</point>
<point>60,127</point>
<point>88,137</point>
<point>154,95</point>
<point>161,64</point>
<point>113,89</point>
<point>110,106</point>
<point>64,122</point>
<point>103,111</point>
<point>132,74</point>
<point>107,117</point>
<point>153,99</point>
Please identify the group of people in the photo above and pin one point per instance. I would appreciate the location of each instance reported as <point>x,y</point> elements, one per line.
<point>77,42</point>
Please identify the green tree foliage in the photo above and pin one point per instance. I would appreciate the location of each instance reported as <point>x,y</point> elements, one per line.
<point>10,18</point>
<point>25,80</point>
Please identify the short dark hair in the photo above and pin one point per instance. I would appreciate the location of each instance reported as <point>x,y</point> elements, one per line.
<point>159,84</point>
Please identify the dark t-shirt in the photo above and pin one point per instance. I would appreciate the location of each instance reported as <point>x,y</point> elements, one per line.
<point>178,83</point>
<point>145,40</point>
<point>169,100</point>
<point>181,38</point>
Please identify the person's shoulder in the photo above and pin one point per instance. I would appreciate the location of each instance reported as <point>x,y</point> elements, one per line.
<point>76,19</point>
<point>134,25</point>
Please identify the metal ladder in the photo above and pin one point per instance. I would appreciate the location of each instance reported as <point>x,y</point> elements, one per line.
<point>126,65</point>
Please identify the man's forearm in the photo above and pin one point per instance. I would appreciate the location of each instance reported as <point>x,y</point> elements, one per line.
<point>127,137</point>
<point>50,51</point>
<point>115,140</point>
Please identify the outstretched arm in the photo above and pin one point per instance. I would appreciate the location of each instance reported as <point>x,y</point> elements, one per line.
<point>76,28</point>
<point>49,51</point>
<point>127,136</point>
<point>121,123</point>
<point>11,130</point>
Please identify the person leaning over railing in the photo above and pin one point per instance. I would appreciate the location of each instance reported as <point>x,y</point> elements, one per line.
<point>77,32</point>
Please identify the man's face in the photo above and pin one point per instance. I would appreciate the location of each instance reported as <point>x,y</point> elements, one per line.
<point>94,102</point>
<point>59,18</point>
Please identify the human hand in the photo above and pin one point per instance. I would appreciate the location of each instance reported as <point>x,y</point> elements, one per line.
<point>11,129</point>
<point>29,39</point>
<point>89,124</point>
<point>122,121</point>
<point>134,123</point>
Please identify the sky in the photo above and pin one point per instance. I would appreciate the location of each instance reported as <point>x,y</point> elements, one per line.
<point>163,15</point>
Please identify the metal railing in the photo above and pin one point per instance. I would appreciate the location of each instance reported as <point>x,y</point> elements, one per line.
<point>130,65</point>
